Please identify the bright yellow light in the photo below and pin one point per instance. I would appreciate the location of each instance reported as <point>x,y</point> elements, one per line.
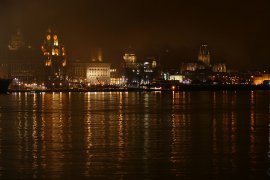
<point>56,42</point>
<point>48,63</point>
<point>173,88</point>
<point>46,53</point>
<point>257,80</point>
<point>56,52</point>
<point>64,63</point>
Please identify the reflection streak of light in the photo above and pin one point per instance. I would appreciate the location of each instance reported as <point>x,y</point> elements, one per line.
<point>89,140</point>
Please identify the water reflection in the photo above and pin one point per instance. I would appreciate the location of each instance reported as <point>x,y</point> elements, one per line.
<point>142,135</point>
<point>181,133</point>
<point>268,172</point>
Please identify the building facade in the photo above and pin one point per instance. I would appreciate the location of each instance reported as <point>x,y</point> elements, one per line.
<point>90,72</point>
<point>142,72</point>
<point>20,61</point>
<point>55,61</point>
<point>259,79</point>
<point>98,73</point>
<point>204,54</point>
<point>131,70</point>
<point>219,67</point>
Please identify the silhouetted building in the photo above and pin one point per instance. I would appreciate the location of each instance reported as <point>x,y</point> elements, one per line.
<point>20,61</point>
<point>131,70</point>
<point>17,41</point>
<point>149,70</point>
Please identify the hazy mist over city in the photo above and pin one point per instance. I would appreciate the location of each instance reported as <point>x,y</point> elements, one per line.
<point>237,32</point>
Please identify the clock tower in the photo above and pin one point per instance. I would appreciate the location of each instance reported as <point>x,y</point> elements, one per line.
<point>54,57</point>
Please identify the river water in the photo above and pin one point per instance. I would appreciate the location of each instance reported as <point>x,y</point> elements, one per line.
<point>135,135</point>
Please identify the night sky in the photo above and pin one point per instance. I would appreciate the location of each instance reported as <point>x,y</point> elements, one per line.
<point>237,32</point>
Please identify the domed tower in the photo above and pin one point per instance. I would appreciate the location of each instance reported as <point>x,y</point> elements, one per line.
<point>17,41</point>
<point>55,61</point>
<point>204,55</point>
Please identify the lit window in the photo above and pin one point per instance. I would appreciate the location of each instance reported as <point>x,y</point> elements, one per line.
<point>56,42</point>
<point>56,52</point>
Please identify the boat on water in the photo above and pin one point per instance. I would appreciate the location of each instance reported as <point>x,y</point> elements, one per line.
<point>4,80</point>
<point>4,84</point>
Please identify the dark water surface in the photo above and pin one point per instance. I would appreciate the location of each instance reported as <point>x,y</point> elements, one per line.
<point>135,135</point>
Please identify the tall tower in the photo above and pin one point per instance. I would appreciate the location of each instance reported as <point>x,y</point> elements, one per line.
<point>55,62</point>
<point>204,54</point>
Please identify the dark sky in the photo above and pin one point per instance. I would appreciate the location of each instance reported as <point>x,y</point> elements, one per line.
<point>237,32</point>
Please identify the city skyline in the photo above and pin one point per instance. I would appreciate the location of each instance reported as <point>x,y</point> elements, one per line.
<point>236,35</point>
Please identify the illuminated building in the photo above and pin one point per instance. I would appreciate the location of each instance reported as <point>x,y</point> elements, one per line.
<point>220,67</point>
<point>202,63</point>
<point>257,80</point>
<point>176,77</point>
<point>202,71</point>
<point>55,62</point>
<point>204,55</point>
<point>89,72</point>
<point>115,77</point>
<point>98,73</point>
<point>189,66</point>
<point>130,60</point>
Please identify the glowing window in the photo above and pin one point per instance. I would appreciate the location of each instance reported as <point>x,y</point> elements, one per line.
<point>56,52</point>
<point>56,42</point>
<point>154,64</point>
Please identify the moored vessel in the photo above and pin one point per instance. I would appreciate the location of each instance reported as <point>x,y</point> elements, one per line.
<point>4,84</point>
